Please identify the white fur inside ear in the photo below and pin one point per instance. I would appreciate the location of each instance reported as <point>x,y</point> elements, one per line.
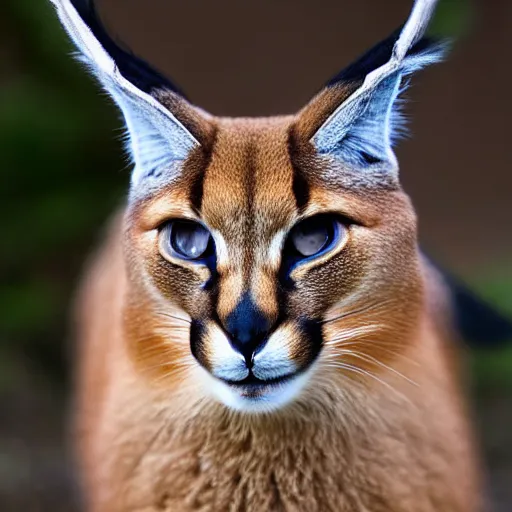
<point>361,131</point>
<point>366,132</point>
<point>157,147</point>
<point>157,140</point>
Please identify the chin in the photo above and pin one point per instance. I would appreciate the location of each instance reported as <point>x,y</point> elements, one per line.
<point>254,396</point>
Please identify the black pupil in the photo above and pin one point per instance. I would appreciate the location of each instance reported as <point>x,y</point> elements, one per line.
<point>189,239</point>
<point>311,236</point>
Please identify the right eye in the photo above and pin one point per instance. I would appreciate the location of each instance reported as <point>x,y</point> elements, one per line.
<point>315,235</point>
<point>186,239</point>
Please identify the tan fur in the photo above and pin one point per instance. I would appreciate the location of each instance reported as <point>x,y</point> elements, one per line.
<point>392,437</point>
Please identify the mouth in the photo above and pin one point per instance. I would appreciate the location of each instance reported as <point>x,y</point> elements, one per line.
<point>268,380</point>
<point>252,388</point>
<point>253,395</point>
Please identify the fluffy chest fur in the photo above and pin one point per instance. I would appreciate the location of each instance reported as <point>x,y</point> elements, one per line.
<point>388,446</point>
<point>359,454</point>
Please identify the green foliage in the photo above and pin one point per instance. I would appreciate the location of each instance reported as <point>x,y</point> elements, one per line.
<point>453,18</point>
<point>493,369</point>
<point>61,176</point>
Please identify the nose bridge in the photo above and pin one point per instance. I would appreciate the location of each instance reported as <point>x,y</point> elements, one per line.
<point>253,280</point>
<point>247,304</point>
<point>231,287</point>
<point>264,291</point>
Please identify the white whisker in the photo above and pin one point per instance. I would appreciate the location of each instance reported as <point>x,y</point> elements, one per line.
<point>354,332</point>
<point>371,359</point>
<point>362,310</point>
<point>361,371</point>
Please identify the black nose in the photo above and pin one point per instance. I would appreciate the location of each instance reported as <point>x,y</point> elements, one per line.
<point>248,328</point>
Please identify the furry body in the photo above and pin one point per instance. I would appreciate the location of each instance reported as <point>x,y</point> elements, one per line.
<point>259,330</point>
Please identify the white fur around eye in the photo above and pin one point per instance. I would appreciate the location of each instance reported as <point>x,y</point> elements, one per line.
<point>221,248</point>
<point>275,248</point>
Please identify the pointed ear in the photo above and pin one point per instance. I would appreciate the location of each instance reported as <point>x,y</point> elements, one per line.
<point>355,119</point>
<point>158,140</point>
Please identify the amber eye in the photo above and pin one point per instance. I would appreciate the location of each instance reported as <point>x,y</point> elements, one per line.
<point>316,234</point>
<point>186,239</point>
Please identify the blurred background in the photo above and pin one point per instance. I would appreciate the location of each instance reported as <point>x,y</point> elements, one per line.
<point>62,173</point>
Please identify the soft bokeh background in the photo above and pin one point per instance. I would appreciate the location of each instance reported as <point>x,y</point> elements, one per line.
<point>62,172</point>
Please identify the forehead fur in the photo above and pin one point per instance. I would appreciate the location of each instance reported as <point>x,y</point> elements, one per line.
<point>256,176</point>
<point>242,178</point>
<point>250,173</point>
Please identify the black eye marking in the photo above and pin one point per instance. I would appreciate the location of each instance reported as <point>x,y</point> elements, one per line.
<point>300,185</point>
<point>197,333</point>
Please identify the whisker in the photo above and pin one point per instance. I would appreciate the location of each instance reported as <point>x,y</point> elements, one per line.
<point>177,367</point>
<point>336,343</point>
<point>361,371</point>
<point>168,339</point>
<point>174,317</point>
<point>165,376</point>
<point>381,349</point>
<point>353,333</point>
<point>361,310</point>
<point>371,359</point>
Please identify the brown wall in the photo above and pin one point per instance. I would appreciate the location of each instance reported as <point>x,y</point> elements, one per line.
<point>265,57</point>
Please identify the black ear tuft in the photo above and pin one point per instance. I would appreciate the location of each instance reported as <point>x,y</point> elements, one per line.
<point>133,68</point>
<point>378,56</point>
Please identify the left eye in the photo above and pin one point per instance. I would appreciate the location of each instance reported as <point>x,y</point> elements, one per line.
<point>186,239</point>
<point>315,234</point>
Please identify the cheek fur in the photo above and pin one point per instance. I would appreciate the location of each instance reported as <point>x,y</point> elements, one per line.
<point>158,340</point>
<point>182,285</point>
<point>323,286</point>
